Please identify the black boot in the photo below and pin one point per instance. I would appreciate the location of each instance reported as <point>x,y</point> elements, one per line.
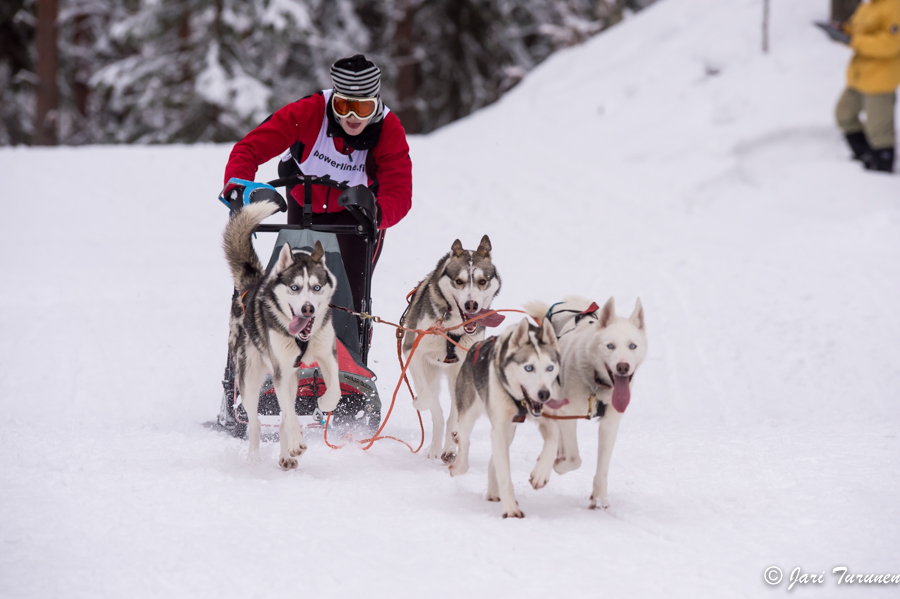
<point>879,160</point>
<point>859,144</point>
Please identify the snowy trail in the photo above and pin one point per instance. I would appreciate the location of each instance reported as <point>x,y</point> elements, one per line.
<point>763,426</point>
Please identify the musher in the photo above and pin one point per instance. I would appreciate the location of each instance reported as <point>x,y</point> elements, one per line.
<point>349,134</point>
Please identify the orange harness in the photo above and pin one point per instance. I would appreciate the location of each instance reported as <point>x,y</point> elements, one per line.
<point>436,329</point>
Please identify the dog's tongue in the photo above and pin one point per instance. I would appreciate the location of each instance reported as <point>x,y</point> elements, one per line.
<point>621,394</point>
<point>298,324</point>
<point>491,320</point>
<point>555,404</point>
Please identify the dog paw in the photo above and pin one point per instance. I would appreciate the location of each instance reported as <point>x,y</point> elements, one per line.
<point>457,469</point>
<point>493,498</point>
<point>298,451</point>
<point>539,480</point>
<point>422,403</point>
<point>514,513</point>
<point>329,401</point>
<point>455,436</point>
<point>562,465</point>
<point>448,457</point>
<point>434,453</point>
<point>287,463</point>
<point>602,503</point>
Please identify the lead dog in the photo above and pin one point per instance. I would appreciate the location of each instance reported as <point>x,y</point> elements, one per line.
<point>600,354</point>
<point>510,378</point>
<point>461,287</point>
<point>277,320</point>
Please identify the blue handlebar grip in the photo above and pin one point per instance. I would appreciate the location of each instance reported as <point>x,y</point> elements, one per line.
<point>249,188</point>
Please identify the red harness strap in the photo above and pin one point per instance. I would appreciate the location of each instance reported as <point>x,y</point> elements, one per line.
<point>476,349</point>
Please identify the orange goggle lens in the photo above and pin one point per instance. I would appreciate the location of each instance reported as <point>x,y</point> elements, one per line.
<point>361,107</point>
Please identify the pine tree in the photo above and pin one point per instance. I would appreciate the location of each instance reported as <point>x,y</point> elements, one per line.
<point>17,76</point>
<point>162,71</point>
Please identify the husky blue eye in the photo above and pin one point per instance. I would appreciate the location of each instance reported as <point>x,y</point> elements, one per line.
<point>319,287</point>
<point>529,368</point>
<point>632,346</point>
<point>610,346</point>
<point>294,288</point>
<point>550,368</point>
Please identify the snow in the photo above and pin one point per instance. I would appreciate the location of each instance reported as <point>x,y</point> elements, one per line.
<point>247,95</point>
<point>281,14</point>
<point>762,429</point>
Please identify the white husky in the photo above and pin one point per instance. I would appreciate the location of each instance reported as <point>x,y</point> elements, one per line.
<point>600,355</point>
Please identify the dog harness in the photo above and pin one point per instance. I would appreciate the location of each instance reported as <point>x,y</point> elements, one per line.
<point>476,349</point>
<point>591,310</point>
<point>452,358</point>
<point>244,295</point>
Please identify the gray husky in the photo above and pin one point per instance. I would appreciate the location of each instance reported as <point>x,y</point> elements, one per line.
<point>510,378</point>
<point>461,287</point>
<point>600,354</point>
<point>277,320</point>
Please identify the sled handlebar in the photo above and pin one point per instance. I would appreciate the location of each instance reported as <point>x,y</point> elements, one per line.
<point>357,200</point>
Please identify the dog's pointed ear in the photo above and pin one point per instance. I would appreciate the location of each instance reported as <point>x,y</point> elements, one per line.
<point>607,313</point>
<point>457,248</point>
<point>637,317</point>
<point>484,248</point>
<point>520,334</point>
<point>548,334</point>
<point>285,258</point>
<point>318,252</point>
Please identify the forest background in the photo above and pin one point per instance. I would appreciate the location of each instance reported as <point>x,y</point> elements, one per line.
<point>184,71</point>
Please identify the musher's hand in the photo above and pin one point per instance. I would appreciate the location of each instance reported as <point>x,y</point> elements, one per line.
<point>233,193</point>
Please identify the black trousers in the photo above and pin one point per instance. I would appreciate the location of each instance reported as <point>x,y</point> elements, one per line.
<point>353,248</point>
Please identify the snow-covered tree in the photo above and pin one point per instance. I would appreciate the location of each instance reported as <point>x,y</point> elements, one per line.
<point>160,71</point>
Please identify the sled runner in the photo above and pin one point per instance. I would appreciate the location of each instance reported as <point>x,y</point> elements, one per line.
<point>359,409</point>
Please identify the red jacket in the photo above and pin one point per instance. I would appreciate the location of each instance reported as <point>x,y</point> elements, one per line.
<point>297,125</point>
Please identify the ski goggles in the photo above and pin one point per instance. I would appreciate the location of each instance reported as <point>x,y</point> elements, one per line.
<point>362,108</point>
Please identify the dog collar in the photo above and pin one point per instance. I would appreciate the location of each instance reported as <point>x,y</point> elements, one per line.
<point>599,410</point>
<point>523,411</point>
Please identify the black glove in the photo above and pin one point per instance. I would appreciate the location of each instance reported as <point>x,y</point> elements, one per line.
<point>264,194</point>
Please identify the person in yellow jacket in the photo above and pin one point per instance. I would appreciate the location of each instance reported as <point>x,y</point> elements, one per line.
<point>872,80</point>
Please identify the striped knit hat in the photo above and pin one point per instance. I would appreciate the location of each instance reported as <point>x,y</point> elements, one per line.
<point>356,77</point>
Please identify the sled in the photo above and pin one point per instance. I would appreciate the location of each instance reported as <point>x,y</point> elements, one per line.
<point>359,410</point>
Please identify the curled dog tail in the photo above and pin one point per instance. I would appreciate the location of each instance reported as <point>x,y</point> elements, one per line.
<point>537,310</point>
<point>245,265</point>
